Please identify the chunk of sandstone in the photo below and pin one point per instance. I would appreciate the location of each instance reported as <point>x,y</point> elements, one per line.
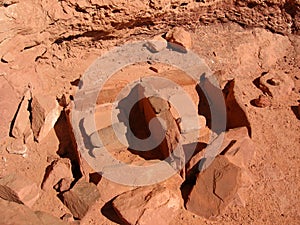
<point>180,39</point>
<point>58,170</point>
<point>147,205</point>
<point>156,44</point>
<point>20,189</point>
<point>12,213</point>
<point>45,112</point>
<point>80,198</point>
<point>215,188</point>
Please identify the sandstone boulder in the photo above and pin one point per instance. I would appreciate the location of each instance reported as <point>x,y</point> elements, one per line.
<point>12,213</point>
<point>215,188</point>
<point>80,198</point>
<point>18,188</point>
<point>147,205</point>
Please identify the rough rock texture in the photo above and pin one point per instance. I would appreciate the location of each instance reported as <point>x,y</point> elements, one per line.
<point>276,84</point>
<point>46,47</point>
<point>49,219</point>
<point>262,101</point>
<point>7,108</point>
<point>20,189</point>
<point>58,170</point>
<point>13,213</point>
<point>147,205</point>
<point>80,198</point>
<point>45,112</point>
<point>214,189</point>
<point>179,39</point>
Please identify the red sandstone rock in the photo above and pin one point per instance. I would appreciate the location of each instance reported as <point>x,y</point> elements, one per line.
<point>12,213</point>
<point>80,198</point>
<point>58,170</point>
<point>147,205</point>
<point>8,106</point>
<point>20,189</point>
<point>179,38</point>
<point>215,188</point>
<point>276,84</point>
<point>45,112</point>
<point>48,219</point>
<point>262,101</point>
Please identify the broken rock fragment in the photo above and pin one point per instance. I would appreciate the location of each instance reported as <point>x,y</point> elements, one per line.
<point>156,44</point>
<point>80,198</point>
<point>12,213</point>
<point>147,205</point>
<point>45,112</point>
<point>215,188</point>
<point>58,170</point>
<point>180,39</point>
<point>18,188</point>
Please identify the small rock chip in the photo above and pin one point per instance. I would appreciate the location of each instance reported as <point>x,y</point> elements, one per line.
<point>58,170</point>
<point>67,217</point>
<point>80,198</point>
<point>20,189</point>
<point>180,39</point>
<point>45,112</point>
<point>16,146</point>
<point>157,44</point>
<point>63,185</point>
<point>262,101</point>
<point>8,57</point>
<point>147,205</point>
<point>159,104</point>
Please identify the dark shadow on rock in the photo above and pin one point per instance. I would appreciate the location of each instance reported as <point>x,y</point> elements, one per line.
<point>295,111</point>
<point>95,178</point>
<point>67,149</point>
<point>108,211</point>
<point>236,115</point>
<point>187,187</point>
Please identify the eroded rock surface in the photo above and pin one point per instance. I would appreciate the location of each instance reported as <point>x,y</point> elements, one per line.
<point>147,205</point>
<point>19,189</point>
